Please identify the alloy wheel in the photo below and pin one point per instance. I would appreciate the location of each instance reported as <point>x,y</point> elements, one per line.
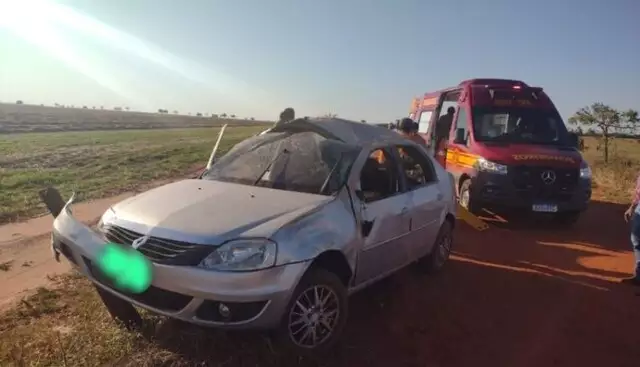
<point>313,316</point>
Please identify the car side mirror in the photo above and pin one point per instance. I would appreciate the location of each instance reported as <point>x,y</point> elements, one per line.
<point>460,137</point>
<point>574,140</point>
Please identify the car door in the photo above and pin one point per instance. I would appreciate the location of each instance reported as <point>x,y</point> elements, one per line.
<point>427,202</point>
<point>383,209</point>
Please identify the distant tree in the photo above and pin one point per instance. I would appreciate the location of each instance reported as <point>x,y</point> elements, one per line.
<point>161,110</point>
<point>252,119</point>
<point>214,116</point>
<point>19,102</point>
<point>175,112</point>
<point>188,113</point>
<point>605,121</point>
<point>127,108</point>
<point>41,104</point>
<point>56,105</point>
<point>198,114</point>
<point>363,121</point>
<point>223,115</point>
<point>102,107</point>
<point>84,107</point>
<point>93,107</point>
<point>232,116</point>
<point>117,108</point>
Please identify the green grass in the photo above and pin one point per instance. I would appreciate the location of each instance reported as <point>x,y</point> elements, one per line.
<point>99,163</point>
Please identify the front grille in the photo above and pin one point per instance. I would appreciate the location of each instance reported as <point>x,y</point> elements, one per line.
<point>158,298</point>
<point>160,250</point>
<point>528,182</point>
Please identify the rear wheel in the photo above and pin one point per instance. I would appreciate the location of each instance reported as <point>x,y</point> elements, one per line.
<point>466,199</point>
<point>316,314</point>
<point>440,251</point>
<point>121,310</point>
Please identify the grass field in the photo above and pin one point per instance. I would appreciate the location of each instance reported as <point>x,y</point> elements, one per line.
<point>23,118</point>
<point>99,163</point>
<point>614,182</point>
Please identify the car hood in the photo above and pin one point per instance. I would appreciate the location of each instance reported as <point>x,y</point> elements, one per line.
<point>531,155</point>
<point>211,212</point>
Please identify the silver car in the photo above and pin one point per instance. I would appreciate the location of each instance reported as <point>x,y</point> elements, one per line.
<point>276,233</point>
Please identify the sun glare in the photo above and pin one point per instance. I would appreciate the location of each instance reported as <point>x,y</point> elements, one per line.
<point>43,23</point>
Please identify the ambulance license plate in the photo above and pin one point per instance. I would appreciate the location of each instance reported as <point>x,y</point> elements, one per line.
<point>545,208</point>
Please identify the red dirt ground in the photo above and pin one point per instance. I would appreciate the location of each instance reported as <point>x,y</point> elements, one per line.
<point>510,297</point>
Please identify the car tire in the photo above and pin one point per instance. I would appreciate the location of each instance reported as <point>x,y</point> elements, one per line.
<point>295,325</point>
<point>121,310</point>
<point>567,219</point>
<point>440,252</point>
<point>466,199</point>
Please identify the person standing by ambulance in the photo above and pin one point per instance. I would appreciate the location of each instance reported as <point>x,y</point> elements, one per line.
<point>632,214</point>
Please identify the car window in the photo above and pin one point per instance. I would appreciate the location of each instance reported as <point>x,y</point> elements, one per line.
<point>379,176</point>
<point>303,162</point>
<point>417,168</point>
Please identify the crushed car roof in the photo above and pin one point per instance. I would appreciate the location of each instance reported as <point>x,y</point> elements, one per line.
<point>350,132</point>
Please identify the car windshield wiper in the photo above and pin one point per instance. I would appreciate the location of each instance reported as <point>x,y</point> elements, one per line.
<point>285,150</point>
<point>333,169</point>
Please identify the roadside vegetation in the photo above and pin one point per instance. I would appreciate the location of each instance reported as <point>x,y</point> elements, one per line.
<point>99,163</point>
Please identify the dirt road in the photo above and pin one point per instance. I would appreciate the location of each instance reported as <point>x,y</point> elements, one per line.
<point>515,295</point>
<point>26,260</point>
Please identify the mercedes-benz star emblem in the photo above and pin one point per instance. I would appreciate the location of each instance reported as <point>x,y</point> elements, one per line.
<point>139,242</point>
<point>548,177</point>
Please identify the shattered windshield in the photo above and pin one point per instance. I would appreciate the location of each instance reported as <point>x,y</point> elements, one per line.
<point>519,125</point>
<point>303,162</point>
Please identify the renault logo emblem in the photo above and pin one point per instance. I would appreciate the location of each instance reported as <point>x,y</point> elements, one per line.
<point>548,177</point>
<point>139,242</point>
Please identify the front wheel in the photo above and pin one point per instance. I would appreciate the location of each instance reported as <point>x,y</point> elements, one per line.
<point>316,314</point>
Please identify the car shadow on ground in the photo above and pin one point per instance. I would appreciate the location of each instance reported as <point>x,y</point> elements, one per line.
<point>507,298</point>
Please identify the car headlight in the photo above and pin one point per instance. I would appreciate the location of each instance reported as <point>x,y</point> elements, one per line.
<point>493,167</point>
<point>585,173</point>
<point>242,255</point>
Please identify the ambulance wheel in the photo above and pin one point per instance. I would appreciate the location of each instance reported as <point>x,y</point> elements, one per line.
<point>466,199</point>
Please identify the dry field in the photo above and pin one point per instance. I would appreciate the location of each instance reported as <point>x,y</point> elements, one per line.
<point>516,295</point>
<point>16,118</point>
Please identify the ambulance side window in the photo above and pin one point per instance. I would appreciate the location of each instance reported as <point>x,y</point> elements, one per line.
<point>461,123</point>
<point>423,124</point>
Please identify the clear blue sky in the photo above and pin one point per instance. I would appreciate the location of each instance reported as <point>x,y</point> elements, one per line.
<point>361,59</point>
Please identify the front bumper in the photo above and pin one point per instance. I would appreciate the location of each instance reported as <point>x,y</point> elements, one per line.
<point>256,300</point>
<point>498,191</point>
